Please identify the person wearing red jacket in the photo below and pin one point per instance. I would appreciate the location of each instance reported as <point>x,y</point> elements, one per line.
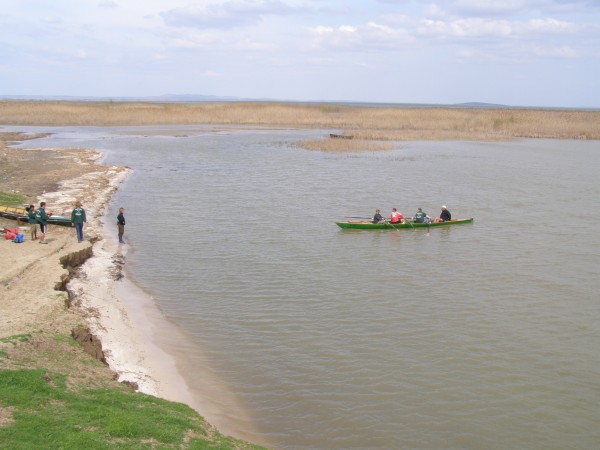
<point>396,217</point>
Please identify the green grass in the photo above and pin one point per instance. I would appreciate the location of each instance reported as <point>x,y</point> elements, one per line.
<point>16,338</point>
<point>65,339</point>
<point>10,199</point>
<point>40,411</point>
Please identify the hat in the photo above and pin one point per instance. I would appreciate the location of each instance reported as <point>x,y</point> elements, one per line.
<point>443,206</point>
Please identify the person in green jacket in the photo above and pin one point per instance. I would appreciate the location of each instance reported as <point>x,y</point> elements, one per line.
<point>42,218</point>
<point>32,222</point>
<point>77,220</point>
<point>421,217</point>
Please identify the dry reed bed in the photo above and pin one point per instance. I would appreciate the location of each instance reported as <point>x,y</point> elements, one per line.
<point>364,123</point>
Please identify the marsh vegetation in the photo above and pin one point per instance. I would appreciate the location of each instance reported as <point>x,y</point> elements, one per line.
<point>367,124</point>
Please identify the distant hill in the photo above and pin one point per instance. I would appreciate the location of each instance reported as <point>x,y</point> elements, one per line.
<point>199,98</point>
<point>479,105</point>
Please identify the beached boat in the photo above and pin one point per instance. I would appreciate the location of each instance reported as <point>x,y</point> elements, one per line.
<point>392,226</point>
<point>20,215</point>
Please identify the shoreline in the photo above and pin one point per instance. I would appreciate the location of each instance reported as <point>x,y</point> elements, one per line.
<point>141,344</point>
<point>131,327</point>
<point>126,321</point>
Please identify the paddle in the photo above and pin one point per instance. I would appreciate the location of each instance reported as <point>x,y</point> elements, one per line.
<point>391,225</point>
<point>358,217</point>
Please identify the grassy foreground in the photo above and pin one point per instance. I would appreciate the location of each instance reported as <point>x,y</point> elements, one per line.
<point>46,414</point>
<point>53,395</point>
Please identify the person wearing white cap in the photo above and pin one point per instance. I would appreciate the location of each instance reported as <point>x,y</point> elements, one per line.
<point>445,215</point>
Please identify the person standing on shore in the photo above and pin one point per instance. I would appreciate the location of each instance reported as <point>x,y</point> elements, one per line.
<point>78,219</point>
<point>121,225</point>
<point>41,217</point>
<point>32,222</point>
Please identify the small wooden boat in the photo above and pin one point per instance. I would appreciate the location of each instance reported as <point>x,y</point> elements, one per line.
<point>20,215</point>
<point>340,136</point>
<point>391,226</point>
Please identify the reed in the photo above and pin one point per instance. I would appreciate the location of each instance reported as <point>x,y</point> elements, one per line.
<point>365,123</point>
<point>343,145</point>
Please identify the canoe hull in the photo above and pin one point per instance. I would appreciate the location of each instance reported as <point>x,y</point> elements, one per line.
<point>20,215</point>
<point>395,226</point>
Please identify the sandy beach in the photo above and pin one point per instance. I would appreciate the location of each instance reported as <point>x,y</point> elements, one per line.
<point>86,273</point>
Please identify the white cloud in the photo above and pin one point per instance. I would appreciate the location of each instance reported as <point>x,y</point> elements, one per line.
<point>361,37</point>
<point>465,28</point>
<point>546,26</point>
<point>557,52</point>
<point>230,14</point>
<point>505,8</point>
<point>107,4</point>
<point>492,7</point>
<point>478,27</point>
<point>255,46</point>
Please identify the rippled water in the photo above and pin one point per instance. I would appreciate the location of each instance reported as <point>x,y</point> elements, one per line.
<point>472,336</point>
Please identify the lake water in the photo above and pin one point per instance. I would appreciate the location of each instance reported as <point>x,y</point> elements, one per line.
<point>473,336</point>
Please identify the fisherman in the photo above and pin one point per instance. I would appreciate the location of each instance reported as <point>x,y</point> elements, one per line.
<point>121,224</point>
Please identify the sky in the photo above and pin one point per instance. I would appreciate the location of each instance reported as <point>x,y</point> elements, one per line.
<point>513,52</point>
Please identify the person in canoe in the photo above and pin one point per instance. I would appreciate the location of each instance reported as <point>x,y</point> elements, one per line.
<point>396,217</point>
<point>421,216</point>
<point>378,217</point>
<point>445,216</point>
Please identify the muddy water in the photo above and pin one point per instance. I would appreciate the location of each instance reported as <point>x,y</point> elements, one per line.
<point>474,336</point>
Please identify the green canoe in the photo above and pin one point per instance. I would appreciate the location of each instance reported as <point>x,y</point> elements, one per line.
<point>20,215</point>
<point>390,226</point>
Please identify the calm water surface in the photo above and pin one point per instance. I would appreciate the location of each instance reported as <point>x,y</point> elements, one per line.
<point>468,337</point>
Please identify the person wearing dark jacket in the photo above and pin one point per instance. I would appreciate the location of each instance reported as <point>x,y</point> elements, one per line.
<point>78,219</point>
<point>377,217</point>
<point>42,217</point>
<point>121,225</point>
<point>445,215</point>
<point>32,222</point>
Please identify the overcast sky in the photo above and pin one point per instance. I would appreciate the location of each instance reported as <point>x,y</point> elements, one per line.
<point>514,52</point>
